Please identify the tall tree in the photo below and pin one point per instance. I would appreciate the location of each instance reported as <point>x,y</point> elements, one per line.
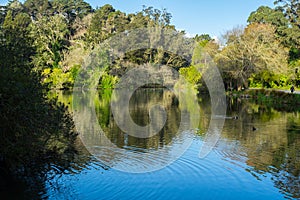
<point>3,11</point>
<point>98,31</point>
<point>157,17</point>
<point>202,37</point>
<point>291,9</point>
<point>15,6</point>
<point>32,128</point>
<point>286,31</point>
<point>71,8</point>
<point>38,8</point>
<point>15,33</point>
<point>50,39</point>
<point>254,51</point>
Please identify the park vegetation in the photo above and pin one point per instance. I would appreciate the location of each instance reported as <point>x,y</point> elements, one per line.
<point>60,34</point>
<point>43,44</point>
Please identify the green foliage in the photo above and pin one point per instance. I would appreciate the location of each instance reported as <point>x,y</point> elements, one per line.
<point>108,81</point>
<point>58,79</point>
<point>191,74</point>
<point>267,79</point>
<point>36,133</point>
<point>285,17</point>
<point>32,128</point>
<point>202,37</point>
<point>271,16</point>
<point>17,45</point>
<point>107,21</point>
<point>71,8</point>
<point>157,17</point>
<point>63,32</point>
<point>3,11</point>
<point>38,8</point>
<point>102,105</point>
<point>253,50</point>
<point>290,8</point>
<point>50,38</point>
<point>100,29</point>
<point>294,54</point>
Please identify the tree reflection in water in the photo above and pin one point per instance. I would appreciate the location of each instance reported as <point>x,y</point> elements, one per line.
<point>140,104</point>
<point>272,148</point>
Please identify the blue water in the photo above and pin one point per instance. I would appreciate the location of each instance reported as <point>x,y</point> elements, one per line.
<point>214,177</point>
<point>257,156</point>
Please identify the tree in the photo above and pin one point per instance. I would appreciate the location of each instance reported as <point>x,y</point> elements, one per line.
<point>15,36</point>
<point>37,134</point>
<point>98,31</point>
<point>71,9</point>
<point>158,17</point>
<point>205,37</point>
<point>137,20</point>
<point>38,8</point>
<point>50,39</point>
<point>255,50</point>
<point>267,15</point>
<point>291,9</point>
<point>15,6</point>
<point>3,10</point>
<point>34,131</point>
<point>286,32</point>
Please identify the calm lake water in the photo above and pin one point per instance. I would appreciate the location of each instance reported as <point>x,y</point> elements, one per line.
<point>256,157</point>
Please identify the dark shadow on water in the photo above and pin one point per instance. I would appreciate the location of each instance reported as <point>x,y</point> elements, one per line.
<point>272,150</point>
<point>34,183</point>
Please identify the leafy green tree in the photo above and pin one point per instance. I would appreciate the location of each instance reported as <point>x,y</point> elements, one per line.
<point>3,11</point>
<point>285,30</point>
<point>38,8</point>
<point>202,37</point>
<point>284,19</point>
<point>138,20</point>
<point>267,15</point>
<point>50,39</point>
<point>95,34</point>
<point>256,50</point>
<point>191,74</point>
<point>15,34</point>
<point>15,6</point>
<point>71,8</point>
<point>158,17</point>
<point>291,9</point>
<point>105,22</point>
<point>34,131</point>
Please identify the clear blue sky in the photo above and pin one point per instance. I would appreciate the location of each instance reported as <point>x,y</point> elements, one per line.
<point>194,16</point>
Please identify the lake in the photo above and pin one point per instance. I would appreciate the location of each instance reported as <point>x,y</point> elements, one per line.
<point>257,154</point>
